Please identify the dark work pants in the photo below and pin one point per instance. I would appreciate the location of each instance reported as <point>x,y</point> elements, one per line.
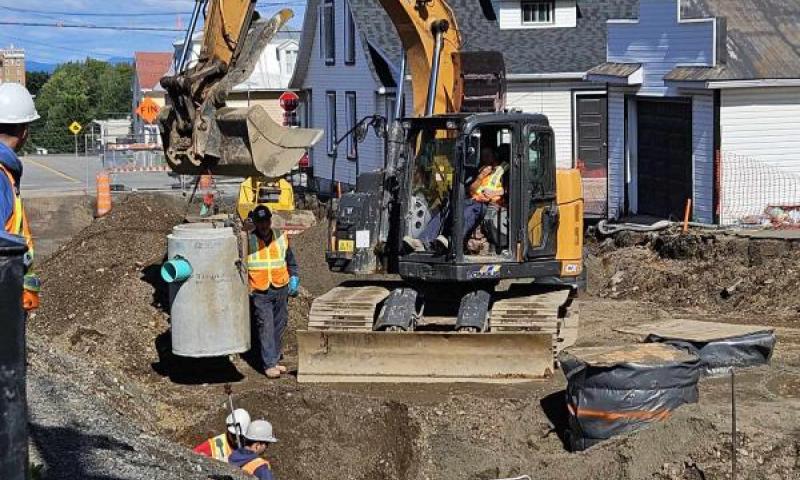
<point>472,215</point>
<point>271,313</point>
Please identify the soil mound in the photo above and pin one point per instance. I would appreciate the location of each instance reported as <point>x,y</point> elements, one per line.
<point>715,272</point>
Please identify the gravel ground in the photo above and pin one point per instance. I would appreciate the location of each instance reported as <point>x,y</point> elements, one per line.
<point>77,434</point>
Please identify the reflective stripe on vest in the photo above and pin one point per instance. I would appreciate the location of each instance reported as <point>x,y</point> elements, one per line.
<point>254,464</point>
<point>17,223</point>
<point>220,450</point>
<point>269,260</point>
<point>493,181</point>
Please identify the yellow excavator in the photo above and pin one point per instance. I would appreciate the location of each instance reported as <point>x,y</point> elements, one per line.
<point>489,305</point>
<point>278,196</point>
<point>201,135</point>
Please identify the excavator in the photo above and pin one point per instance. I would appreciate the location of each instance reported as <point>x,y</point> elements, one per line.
<point>495,304</point>
<point>201,135</point>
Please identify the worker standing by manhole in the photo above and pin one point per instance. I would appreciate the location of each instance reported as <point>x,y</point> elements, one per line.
<point>273,274</point>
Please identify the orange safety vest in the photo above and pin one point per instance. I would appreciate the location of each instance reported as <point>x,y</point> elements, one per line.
<point>266,264</point>
<point>17,223</point>
<point>253,465</point>
<point>220,449</point>
<point>494,181</point>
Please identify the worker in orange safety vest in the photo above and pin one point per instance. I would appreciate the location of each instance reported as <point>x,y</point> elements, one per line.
<point>221,446</point>
<point>273,275</point>
<point>17,111</point>
<point>248,458</point>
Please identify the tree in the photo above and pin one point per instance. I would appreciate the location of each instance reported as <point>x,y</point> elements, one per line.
<point>35,80</point>
<point>79,92</point>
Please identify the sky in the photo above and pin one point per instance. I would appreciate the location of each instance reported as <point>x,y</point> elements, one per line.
<point>59,44</point>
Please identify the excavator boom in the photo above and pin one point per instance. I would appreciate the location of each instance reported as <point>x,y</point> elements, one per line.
<point>200,133</point>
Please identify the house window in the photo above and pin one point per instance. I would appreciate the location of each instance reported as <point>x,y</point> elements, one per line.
<point>538,11</point>
<point>289,61</point>
<point>349,37</point>
<point>328,32</point>
<point>391,106</point>
<point>331,111</point>
<point>352,118</point>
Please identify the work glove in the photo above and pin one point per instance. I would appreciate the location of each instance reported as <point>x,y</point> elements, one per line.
<point>294,285</point>
<point>30,292</point>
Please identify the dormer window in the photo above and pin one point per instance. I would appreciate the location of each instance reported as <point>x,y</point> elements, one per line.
<point>538,12</point>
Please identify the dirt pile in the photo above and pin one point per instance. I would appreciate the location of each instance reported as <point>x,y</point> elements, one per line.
<point>714,272</point>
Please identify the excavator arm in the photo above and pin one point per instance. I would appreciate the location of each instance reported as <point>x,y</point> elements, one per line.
<point>200,133</point>
<point>444,78</point>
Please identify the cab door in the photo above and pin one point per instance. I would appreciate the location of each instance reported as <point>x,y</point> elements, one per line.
<point>539,207</point>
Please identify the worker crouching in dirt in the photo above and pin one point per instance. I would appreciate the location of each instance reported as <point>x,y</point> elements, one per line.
<point>17,111</point>
<point>273,275</point>
<point>221,446</point>
<point>256,440</point>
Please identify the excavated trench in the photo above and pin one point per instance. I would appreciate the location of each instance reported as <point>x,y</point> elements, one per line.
<point>105,306</point>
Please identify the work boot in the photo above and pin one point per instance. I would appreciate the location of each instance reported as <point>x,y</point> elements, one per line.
<point>413,244</point>
<point>441,244</point>
<point>273,372</point>
<point>282,368</point>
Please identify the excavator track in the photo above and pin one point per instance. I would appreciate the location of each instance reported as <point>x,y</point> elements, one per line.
<point>551,312</point>
<point>340,346</point>
<point>346,308</point>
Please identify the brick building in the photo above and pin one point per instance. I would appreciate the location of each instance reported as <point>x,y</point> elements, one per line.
<point>12,65</point>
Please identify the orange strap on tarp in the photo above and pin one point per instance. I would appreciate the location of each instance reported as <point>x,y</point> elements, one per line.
<point>661,414</point>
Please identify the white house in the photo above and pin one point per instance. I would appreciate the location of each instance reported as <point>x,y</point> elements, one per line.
<point>270,76</point>
<point>703,104</point>
<point>349,63</point>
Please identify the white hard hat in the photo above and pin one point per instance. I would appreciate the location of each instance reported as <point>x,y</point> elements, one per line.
<point>260,431</point>
<point>242,418</point>
<point>16,104</point>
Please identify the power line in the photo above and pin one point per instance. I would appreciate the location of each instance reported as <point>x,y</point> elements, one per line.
<point>94,27</point>
<point>90,14</point>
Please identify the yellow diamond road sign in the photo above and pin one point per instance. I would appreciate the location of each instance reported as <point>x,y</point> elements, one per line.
<point>75,128</point>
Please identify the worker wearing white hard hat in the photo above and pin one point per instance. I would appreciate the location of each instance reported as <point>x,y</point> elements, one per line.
<point>258,437</point>
<point>220,447</point>
<point>17,111</point>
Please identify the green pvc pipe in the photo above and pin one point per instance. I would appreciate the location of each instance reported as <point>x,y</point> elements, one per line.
<point>176,269</point>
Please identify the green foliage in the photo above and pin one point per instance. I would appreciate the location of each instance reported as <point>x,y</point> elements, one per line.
<point>85,91</point>
<point>35,80</point>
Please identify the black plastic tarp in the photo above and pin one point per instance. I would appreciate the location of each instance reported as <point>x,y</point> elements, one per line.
<point>604,400</point>
<point>13,408</point>
<point>719,355</point>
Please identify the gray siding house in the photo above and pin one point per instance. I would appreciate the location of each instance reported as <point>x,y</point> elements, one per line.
<point>548,46</point>
<point>703,104</point>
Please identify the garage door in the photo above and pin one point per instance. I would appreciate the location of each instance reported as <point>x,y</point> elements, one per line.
<point>664,171</point>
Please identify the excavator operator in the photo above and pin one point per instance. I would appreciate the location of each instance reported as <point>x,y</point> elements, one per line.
<point>486,188</point>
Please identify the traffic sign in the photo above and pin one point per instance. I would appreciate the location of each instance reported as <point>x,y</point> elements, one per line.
<point>288,101</point>
<point>148,110</point>
<point>75,128</point>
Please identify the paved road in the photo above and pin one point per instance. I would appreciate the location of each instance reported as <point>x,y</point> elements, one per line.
<point>56,174</point>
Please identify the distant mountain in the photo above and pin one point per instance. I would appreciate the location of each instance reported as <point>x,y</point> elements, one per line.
<point>40,67</point>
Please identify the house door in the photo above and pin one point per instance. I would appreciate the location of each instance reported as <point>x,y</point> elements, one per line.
<point>592,159</point>
<point>664,173</point>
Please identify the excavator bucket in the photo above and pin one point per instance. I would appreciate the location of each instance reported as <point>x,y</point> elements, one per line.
<point>423,357</point>
<point>201,134</point>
